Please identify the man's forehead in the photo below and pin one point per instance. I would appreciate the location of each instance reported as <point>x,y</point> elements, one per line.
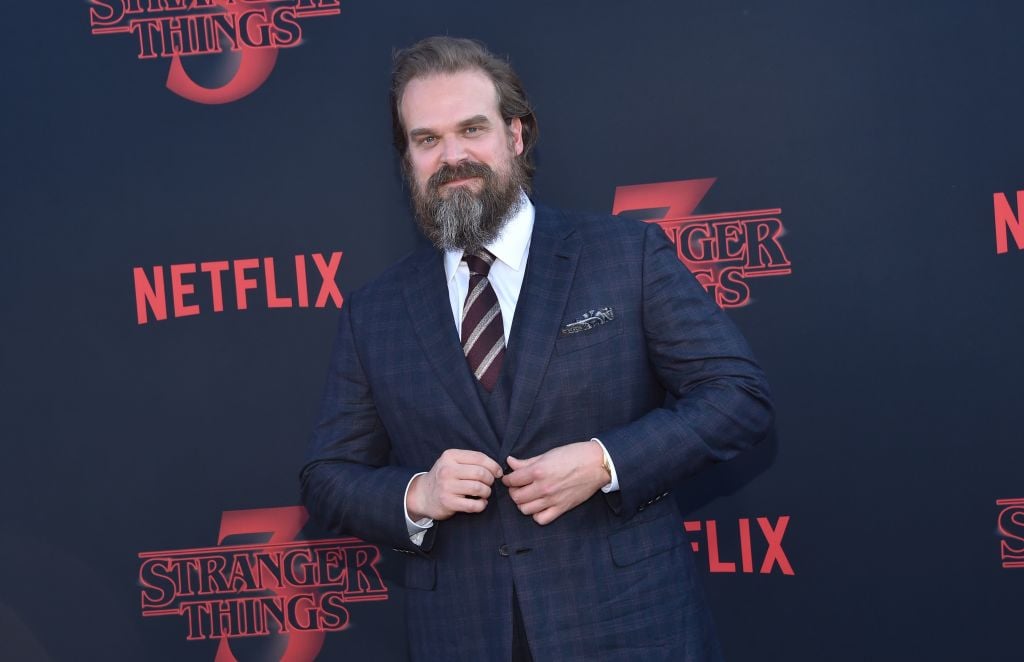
<point>448,96</point>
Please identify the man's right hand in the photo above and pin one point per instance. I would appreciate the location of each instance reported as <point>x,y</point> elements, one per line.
<point>459,482</point>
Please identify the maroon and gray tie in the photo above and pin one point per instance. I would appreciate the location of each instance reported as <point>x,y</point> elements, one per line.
<point>483,336</point>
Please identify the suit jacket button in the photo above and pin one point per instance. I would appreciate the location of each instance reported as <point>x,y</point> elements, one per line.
<point>503,550</point>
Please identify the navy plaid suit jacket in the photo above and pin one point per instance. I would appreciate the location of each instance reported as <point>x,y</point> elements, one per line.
<point>611,579</point>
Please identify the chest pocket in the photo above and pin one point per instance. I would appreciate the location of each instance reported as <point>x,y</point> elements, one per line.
<point>577,341</point>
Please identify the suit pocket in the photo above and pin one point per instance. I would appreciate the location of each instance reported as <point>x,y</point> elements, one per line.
<point>578,341</point>
<point>644,540</point>
<point>420,573</point>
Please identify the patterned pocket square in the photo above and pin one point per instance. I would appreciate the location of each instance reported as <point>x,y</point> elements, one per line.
<point>589,320</point>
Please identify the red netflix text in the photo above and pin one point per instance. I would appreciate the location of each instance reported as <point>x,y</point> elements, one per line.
<point>192,288</point>
<point>1007,223</point>
<point>752,547</point>
<point>253,29</point>
<point>301,589</point>
<point>1011,532</point>
<point>722,251</point>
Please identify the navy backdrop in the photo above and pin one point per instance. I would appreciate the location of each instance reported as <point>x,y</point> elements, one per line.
<point>876,133</point>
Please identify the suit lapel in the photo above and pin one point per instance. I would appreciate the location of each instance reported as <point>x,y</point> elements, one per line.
<point>554,251</point>
<point>427,299</point>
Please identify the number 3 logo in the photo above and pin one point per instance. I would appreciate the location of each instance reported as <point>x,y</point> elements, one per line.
<point>283,525</point>
<point>255,66</point>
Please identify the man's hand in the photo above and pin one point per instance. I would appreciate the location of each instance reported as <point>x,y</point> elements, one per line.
<point>459,482</point>
<point>553,483</point>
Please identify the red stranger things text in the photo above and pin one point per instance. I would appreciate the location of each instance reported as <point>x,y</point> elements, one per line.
<point>238,278</point>
<point>1011,532</point>
<point>280,587</point>
<point>172,29</point>
<point>721,250</point>
<point>168,28</point>
<point>223,591</point>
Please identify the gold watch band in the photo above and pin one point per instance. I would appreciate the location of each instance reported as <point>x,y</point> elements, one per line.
<point>605,463</point>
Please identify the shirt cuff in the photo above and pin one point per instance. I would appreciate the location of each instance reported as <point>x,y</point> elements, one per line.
<point>613,485</point>
<point>416,529</point>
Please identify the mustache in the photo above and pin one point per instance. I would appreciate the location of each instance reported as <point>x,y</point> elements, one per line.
<point>449,173</point>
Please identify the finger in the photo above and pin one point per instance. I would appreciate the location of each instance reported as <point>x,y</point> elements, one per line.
<point>466,505</point>
<point>518,478</point>
<point>449,468</point>
<point>527,493</point>
<point>516,463</point>
<point>547,516</point>
<point>463,456</point>
<point>535,506</point>
<point>469,488</point>
<point>478,459</point>
<point>470,472</point>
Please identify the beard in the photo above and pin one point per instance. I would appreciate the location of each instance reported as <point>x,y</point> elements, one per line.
<point>461,219</point>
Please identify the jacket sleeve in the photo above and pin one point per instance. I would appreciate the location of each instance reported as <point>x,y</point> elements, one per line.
<point>720,402</point>
<point>347,483</point>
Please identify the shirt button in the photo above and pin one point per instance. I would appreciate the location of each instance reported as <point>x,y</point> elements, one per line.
<point>503,550</point>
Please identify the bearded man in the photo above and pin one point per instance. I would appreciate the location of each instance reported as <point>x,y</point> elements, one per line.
<point>511,405</point>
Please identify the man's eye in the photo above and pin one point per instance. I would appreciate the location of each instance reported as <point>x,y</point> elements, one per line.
<point>470,130</point>
<point>428,140</point>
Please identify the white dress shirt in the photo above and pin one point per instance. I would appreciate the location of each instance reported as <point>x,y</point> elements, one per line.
<point>511,250</point>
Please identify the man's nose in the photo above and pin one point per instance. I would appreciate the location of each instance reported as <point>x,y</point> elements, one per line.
<point>453,151</point>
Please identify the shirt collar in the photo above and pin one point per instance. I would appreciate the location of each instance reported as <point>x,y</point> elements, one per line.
<point>511,245</point>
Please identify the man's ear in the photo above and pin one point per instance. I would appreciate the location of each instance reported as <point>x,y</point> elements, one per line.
<point>515,129</point>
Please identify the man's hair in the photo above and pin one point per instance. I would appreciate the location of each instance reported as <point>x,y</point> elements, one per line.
<point>449,55</point>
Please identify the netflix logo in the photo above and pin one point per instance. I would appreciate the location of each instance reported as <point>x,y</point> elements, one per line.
<point>183,290</point>
<point>1007,223</point>
<point>748,547</point>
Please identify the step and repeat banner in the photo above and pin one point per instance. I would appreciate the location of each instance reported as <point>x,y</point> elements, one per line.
<point>191,189</point>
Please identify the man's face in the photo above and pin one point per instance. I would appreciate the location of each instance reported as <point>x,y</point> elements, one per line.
<point>461,159</point>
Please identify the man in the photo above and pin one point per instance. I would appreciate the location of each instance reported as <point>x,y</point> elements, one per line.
<point>496,404</point>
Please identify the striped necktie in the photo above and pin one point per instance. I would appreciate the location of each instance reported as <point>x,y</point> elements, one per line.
<point>483,336</point>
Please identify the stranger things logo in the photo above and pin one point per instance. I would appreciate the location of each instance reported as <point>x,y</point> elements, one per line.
<point>1011,532</point>
<point>723,251</point>
<point>245,34</point>
<point>281,587</point>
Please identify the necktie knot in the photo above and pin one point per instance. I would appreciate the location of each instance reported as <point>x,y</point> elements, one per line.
<point>479,262</point>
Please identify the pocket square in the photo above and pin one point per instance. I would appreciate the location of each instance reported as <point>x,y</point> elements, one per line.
<point>589,320</point>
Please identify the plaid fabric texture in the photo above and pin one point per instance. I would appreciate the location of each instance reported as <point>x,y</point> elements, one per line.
<point>612,579</point>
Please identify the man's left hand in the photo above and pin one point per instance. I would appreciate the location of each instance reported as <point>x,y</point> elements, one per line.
<point>555,482</point>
